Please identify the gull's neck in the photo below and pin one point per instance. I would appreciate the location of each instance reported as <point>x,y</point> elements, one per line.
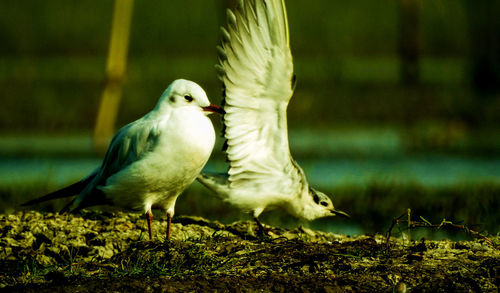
<point>296,205</point>
<point>162,107</point>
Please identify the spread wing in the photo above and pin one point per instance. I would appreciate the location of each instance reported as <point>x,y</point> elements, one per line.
<point>257,70</point>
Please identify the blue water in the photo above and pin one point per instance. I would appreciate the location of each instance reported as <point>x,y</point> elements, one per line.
<point>427,170</point>
<point>54,171</point>
<point>331,158</point>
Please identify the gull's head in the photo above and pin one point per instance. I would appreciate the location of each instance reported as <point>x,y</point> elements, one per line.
<point>187,95</point>
<point>319,205</point>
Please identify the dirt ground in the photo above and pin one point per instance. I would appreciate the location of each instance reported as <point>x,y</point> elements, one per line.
<point>110,252</point>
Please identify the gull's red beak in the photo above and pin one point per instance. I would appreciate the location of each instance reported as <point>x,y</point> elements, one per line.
<point>214,108</point>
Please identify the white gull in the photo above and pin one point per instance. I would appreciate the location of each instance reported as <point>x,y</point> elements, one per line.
<point>255,65</point>
<point>152,160</point>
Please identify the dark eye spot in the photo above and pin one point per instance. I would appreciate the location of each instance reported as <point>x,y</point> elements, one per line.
<point>316,198</point>
<point>323,203</point>
<point>172,99</point>
<point>188,98</point>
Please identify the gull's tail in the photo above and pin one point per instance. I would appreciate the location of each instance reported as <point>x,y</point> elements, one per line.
<point>67,191</point>
<point>216,182</point>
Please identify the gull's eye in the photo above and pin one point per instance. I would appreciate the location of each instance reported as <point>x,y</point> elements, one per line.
<point>323,203</point>
<point>188,98</point>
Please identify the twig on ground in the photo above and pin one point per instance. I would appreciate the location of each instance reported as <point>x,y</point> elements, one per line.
<point>425,223</point>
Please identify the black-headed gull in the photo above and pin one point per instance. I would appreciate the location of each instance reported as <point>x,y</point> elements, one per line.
<point>255,65</point>
<point>152,160</point>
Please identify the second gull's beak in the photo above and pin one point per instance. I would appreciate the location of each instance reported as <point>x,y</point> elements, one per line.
<point>340,213</point>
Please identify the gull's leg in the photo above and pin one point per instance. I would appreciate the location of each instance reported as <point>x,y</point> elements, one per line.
<point>261,231</point>
<point>149,218</point>
<point>169,222</point>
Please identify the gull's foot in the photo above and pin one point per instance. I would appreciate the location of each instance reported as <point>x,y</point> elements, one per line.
<point>262,233</point>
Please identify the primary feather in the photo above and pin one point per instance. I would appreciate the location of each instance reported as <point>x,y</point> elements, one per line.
<point>258,70</point>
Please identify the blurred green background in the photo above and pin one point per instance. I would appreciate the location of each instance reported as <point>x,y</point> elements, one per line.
<point>397,102</point>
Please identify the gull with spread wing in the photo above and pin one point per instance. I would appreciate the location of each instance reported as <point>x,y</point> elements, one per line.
<point>151,160</point>
<point>256,68</point>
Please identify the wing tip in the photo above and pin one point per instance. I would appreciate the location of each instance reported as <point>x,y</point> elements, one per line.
<point>231,18</point>
<point>221,53</point>
<point>226,37</point>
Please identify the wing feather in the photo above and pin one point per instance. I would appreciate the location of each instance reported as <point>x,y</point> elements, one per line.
<point>255,65</point>
<point>130,143</point>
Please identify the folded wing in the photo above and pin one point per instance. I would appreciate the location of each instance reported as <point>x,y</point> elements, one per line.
<point>130,144</point>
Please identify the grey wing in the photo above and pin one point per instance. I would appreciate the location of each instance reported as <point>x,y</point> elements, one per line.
<point>255,65</point>
<point>130,144</point>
